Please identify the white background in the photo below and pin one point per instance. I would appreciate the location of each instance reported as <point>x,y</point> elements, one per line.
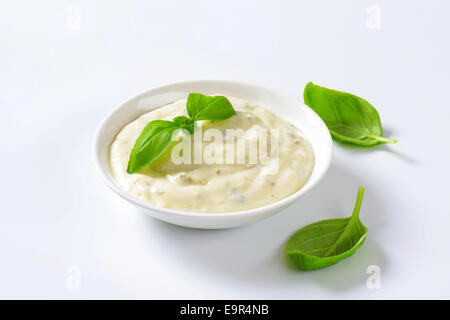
<point>61,75</point>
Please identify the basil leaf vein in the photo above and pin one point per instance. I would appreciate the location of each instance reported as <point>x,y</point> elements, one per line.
<point>348,117</point>
<point>327,242</point>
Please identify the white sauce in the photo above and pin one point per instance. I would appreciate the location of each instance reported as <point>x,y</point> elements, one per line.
<point>216,187</point>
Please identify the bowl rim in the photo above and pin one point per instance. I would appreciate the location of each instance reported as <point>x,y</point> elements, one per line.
<point>108,179</point>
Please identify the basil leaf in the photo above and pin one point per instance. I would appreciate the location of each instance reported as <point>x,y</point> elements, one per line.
<point>348,117</point>
<point>181,120</point>
<point>327,242</point>
<point>184,123</point>
<point>201,107</point>
<point>154,139</point>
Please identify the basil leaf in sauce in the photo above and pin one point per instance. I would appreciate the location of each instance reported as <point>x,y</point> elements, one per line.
<point>156,136</point>
<point>154,139</point>
<point>327,242</point>
<point>348,117</point>
<point>201,107</point>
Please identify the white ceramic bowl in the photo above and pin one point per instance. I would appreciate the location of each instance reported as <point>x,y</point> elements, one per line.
<point>310,124</point>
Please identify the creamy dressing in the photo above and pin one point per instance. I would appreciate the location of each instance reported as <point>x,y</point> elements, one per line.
<point>217,187</point>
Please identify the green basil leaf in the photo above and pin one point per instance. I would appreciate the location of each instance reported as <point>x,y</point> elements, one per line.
<point>181,120</point>
<point>201,107</point>
<point>327,242</point>
<point>154,139</point>
<point>184,123</point>
<point>348,117</point>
